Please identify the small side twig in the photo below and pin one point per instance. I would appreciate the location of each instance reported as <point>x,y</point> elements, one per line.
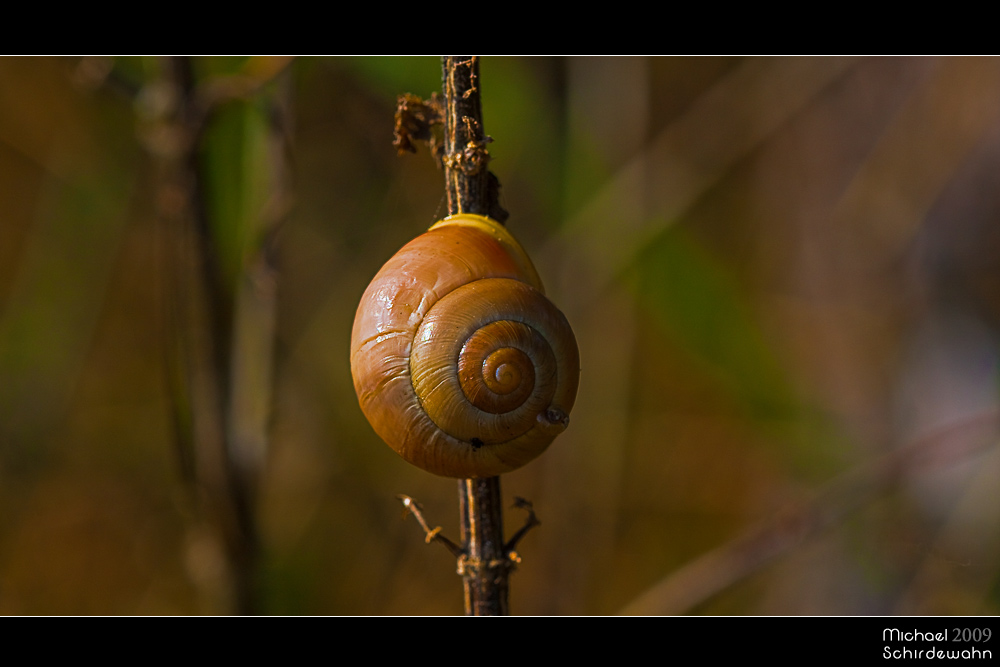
<point>477,562</point>
<point>529,523</point>
<point>432,534</point>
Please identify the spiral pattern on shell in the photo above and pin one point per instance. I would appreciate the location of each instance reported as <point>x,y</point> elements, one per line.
<point>460,362</point>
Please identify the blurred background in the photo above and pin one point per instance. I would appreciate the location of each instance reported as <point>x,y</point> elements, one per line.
<point>782,273</point>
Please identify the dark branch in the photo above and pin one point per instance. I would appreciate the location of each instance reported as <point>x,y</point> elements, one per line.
<point>469,186</point>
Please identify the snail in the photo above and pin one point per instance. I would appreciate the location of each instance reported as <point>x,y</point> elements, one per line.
<point>460,362</point>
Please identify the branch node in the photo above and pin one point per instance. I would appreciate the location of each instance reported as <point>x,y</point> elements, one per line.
<point>466,566</point>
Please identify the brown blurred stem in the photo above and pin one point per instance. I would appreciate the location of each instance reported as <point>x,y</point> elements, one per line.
<point>199,320</point>
<point>486,567</point>
<point>714,571</point>
<point>219,339</point>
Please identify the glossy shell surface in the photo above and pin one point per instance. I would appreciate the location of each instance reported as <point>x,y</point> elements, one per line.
<point>460,362</point>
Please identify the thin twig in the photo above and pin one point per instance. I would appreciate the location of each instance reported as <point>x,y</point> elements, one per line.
<point>432,534</point>
<point>529,523</point>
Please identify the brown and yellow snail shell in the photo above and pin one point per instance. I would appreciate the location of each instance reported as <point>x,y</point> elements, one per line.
<point>460,362</point>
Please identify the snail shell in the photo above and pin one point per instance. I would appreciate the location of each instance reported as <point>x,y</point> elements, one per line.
<point>460,362</point>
